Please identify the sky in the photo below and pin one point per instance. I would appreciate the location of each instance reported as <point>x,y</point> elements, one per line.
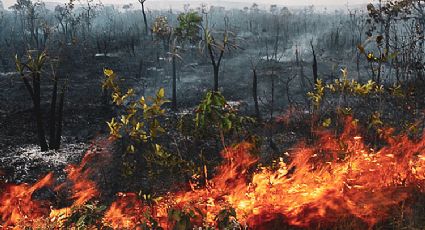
<point>7,3</point>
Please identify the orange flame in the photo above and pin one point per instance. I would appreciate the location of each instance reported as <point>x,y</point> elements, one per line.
<point>317,187</point>
<point>17,205</point>
<point>334,179</point>
<point>127,212</point>
<point>83,188</point>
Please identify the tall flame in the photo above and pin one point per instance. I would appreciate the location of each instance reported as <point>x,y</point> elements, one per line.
<point>336,178</point>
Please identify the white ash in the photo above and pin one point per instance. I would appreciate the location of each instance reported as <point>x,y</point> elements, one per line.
<point>23,163</point>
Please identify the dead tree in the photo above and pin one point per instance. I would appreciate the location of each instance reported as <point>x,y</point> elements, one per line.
<point>30,73</point>
<point>34,65</point>
<point>315,75</point>
<point>255,88</point>
<point>142,2</point>
<point>217,49</point>
<point>56,114</point>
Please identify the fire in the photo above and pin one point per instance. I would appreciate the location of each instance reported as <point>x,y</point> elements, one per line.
<point>317,187</point>
<point>127,212</point>
<point>17,205</point>
<point>83,189</point>
<point>336,178</point>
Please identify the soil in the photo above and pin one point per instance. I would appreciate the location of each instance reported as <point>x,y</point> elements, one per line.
<point>86,113</point>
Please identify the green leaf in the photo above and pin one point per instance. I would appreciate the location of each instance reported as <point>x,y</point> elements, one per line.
<point>108,72</point>
<point>161,93</point>
<point>327,122</point>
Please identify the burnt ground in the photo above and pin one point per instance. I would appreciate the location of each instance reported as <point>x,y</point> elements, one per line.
<point>85,110</point>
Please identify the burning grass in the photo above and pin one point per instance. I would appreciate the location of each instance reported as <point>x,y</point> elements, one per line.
<point>337,178</point>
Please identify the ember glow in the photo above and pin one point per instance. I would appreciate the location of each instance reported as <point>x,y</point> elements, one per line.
<point>333,179</point>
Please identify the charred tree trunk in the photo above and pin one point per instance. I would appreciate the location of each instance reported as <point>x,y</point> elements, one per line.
<point>52,122</point>
<point>315,75</point>
<point>387,36</point>
<point>255,93</point>
<point>174,100</point>
<point>272,99</point>
<point>140,73</point>
<point>216,72</point>
<point>396,61</point>
<point>250,26</point>
<point>37,112</point>
<point>358,65</point>
<point>59,119</point>
<point>216,64</point>
<point>276,44</point>
<point>144,17</point>
<point>297,56</point>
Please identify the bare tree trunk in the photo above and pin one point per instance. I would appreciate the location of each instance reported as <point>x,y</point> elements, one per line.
<point>387,35</point>
<point>254,93</point>
<point>276,45</point>
<point>250,26</point>
<point>52,122</point>
<point>215,64</point>
<point>216,72</point>
<point>297,55</point>
<point>378,76</point>
<point>315,75</point>
<point>144,18</point>
<point>38,114</point>
<point>140,73</point>
<point>174,100</point>
<point>60,119</point>
<point>272,99</point>
<point>358,65</point>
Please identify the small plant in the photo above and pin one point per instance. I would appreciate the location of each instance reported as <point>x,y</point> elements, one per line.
<point>344,88</point>
<point>189,27</point>
<point>226,219</point>
<point>85,216</point>
<point>376,61</point>
<point>162,29</point>
<point>215,113</point>
<point>340,96</point>
<point>151,224</point>
<point>139,121</point>
<point>181,219</point>
<point>139,127</point>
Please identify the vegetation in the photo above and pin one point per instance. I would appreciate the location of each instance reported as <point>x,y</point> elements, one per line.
<point>338,88</point>
<point>31,74</point>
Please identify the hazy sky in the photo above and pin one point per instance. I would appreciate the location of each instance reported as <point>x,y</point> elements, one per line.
<point>280,2</point>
